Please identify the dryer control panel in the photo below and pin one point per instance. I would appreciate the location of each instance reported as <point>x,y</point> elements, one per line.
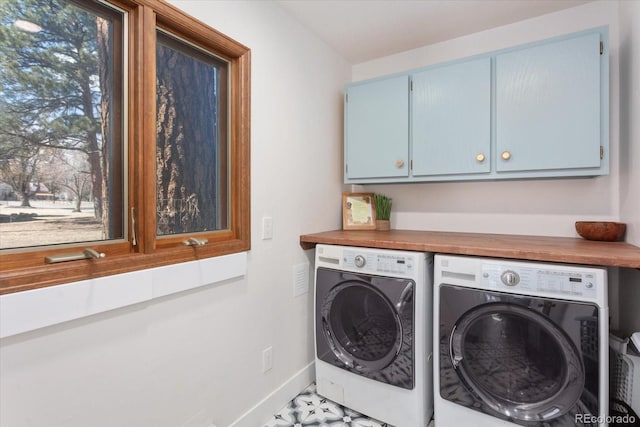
<point>548,280</point>
<point>562,281</point>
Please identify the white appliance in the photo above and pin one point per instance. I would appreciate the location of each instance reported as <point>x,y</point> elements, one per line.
<point>519,343</point>
<point>373,313</point>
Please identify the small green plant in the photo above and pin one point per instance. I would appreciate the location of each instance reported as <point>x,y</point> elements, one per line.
<point>383,206</point>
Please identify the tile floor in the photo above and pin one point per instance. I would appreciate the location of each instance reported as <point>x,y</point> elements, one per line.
<point>309,409</point>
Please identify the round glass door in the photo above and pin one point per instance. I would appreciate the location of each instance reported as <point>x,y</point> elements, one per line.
<point>362,327</point>
<point>517,361</point>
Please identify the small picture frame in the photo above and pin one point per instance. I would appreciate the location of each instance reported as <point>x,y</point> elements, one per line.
<point>358,211</point>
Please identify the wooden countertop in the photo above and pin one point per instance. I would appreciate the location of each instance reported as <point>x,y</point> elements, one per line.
<point>536,248</point>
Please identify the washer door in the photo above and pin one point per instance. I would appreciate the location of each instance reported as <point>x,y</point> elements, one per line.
<point>361,326</point>
<point>520,363</point>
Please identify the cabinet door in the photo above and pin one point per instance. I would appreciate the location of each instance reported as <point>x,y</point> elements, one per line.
<point>548,106</point>
<point>377,129</point>
<point>451,122</point>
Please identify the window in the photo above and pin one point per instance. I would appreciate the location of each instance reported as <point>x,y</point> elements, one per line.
<point>61,124</point>
<point>124,129</point>
<point>191,139</point>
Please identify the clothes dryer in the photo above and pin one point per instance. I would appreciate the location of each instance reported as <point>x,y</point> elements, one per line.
<point>519,343</point>
<point>373,311</point>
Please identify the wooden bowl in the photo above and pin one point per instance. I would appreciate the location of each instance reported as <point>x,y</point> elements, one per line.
<point>601,230</point>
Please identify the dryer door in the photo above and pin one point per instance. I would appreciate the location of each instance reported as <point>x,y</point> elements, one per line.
<point>519,362</point>
<point>516,357</point>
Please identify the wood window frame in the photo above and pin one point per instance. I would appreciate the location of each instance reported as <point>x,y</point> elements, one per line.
<point>24,269</point>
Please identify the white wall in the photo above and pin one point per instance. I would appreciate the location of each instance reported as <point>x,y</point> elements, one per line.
<point>195,358</point>
<point>630,157</point>
<point>536,207</point>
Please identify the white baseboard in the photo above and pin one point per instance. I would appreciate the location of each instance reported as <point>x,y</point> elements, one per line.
<point>276,400</point>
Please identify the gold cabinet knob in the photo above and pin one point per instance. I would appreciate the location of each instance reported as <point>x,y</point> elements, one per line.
<point>506,155</point>
<point>480,157</point>
<point>399,163</point>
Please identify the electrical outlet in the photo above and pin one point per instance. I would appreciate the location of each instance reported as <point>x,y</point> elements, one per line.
<point>267,359</point>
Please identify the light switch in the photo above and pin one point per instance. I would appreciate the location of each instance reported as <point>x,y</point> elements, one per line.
<point>267,228</point>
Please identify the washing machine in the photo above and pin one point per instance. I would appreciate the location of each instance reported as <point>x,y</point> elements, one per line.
<point>519,343</point>
<point>373,314</point>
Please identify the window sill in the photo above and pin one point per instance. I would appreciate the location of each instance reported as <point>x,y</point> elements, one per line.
<point>37,308</point>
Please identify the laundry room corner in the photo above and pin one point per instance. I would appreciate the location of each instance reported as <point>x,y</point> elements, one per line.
<point>272,291</point>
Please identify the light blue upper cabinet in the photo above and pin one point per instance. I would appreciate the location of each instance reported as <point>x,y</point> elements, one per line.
<point>548,106</point>
<point>377,129</point>
<point>451,120</point>
<point>539,110</point>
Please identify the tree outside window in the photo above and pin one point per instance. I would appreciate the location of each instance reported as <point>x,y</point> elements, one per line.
<point>59,100</point>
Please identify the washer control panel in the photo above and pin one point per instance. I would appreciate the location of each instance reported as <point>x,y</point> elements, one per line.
<point>549,280</point>
<point>373,262</point>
